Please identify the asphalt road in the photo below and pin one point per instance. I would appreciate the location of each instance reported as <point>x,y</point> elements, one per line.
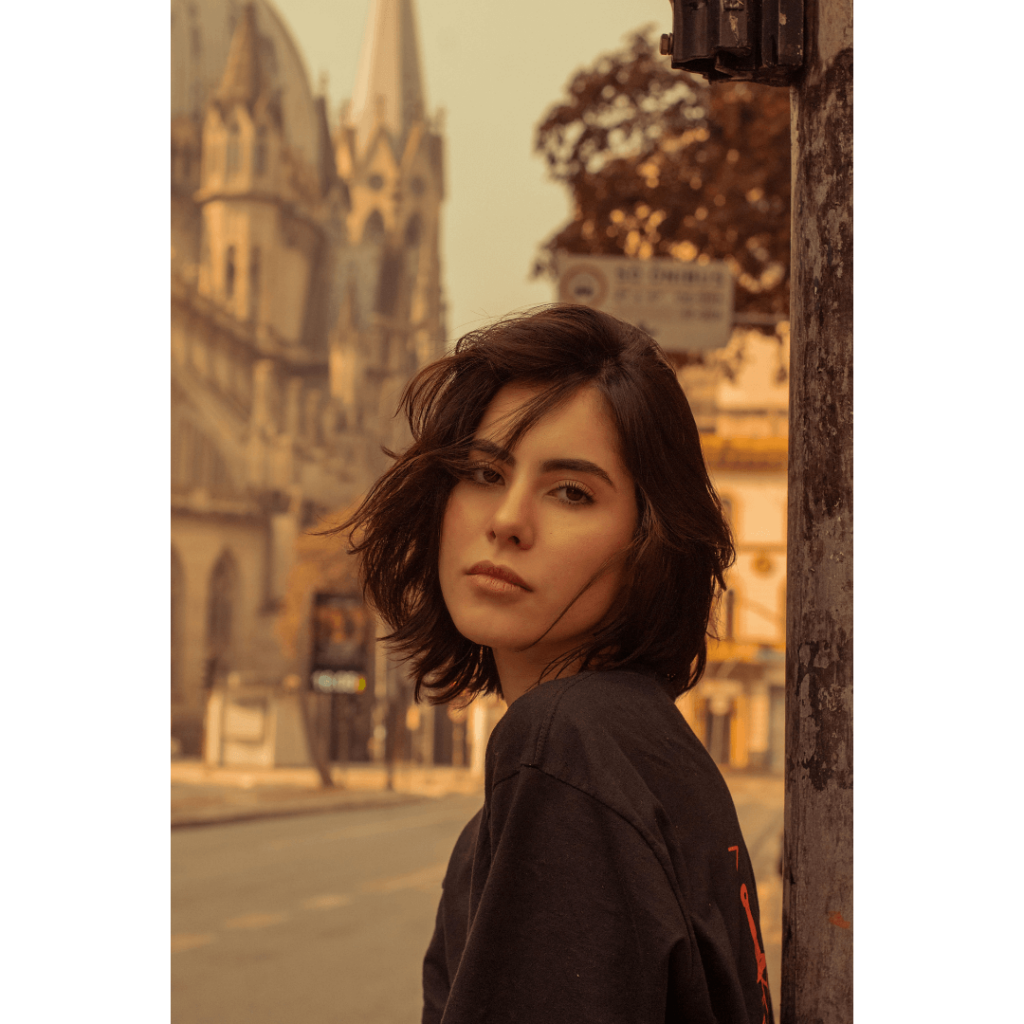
<point>325,918</point>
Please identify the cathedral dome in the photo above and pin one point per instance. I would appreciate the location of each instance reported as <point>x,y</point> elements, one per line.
<point>201,32</point>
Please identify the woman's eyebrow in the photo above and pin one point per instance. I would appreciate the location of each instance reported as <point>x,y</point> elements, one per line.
<point>481,444</point>
<point>551,466</point>
<point>577,466</point>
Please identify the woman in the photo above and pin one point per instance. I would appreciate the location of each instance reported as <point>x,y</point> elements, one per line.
<point>551,536</point>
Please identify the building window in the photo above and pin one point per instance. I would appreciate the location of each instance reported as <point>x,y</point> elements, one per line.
<point>417,186</point>
<point>719,730</point>
<point>373,231</point>
<point>254,282</point>
<point>729,616</point>
<point>413,230</point>
<point>229,272</point>
<point>388,284</point>
<point>233,148</point>
<point>221,609</point>
<point>259,158</point>
<point>177,621</point>
<point>376,182</point>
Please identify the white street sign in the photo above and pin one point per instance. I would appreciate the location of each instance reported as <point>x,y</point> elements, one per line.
<point>685,307</point>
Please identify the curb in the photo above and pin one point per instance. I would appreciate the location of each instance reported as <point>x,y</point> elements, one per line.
<point>343,801</point>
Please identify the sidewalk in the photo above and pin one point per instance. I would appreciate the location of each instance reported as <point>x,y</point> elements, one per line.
<point>201,795</point>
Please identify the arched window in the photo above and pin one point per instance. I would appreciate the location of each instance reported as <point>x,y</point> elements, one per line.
<point>373,230</point>
<point>259,153</point>
<point>254,282</point>
<point>413,230</point>
<point>388,284</point>
<point>234,144</point>
<point>229,272</point>
<point>221,608</point>
<point>177,621</point>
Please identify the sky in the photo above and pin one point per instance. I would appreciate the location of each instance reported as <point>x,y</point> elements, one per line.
<point>495,69</point>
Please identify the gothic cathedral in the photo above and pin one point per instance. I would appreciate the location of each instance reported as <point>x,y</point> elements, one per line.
<point>305,292</point>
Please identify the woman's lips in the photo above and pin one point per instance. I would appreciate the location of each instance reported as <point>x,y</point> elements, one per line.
<point>499,573</point>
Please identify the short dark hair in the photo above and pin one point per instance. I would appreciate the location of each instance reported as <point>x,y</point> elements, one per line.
<point>682,544</point>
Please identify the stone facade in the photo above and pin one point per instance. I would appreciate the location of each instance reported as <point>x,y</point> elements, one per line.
<point>305,291</point>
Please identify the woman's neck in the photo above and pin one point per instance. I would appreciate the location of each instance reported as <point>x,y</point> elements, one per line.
<point>520,671</point>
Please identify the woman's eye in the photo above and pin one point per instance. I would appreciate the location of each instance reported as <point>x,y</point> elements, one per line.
<point>573,495</point>
<point>485,475</point>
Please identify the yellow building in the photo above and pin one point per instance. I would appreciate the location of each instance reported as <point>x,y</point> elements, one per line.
<point>306,290</point>
<point>737,709</point>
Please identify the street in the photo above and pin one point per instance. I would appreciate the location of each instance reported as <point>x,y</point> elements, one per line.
<point>325,918</point>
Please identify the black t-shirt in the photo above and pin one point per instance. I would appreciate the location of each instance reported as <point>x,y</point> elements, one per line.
<point>605,880</point>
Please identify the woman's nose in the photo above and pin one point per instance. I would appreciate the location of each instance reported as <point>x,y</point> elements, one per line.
<point>512,522</point>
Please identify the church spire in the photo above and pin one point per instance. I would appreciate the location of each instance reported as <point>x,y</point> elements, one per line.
<point>243,80</point>
<point>389,85</point>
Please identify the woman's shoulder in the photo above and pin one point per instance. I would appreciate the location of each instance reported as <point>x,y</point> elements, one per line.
<point>569,705</point>
<point>615,739</point>
<point>598,703</point>
<point>593,728</point>
<point>593,693</point>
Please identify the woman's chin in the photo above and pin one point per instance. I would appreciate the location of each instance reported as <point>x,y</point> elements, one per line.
<point>510,636</point>
<point>486,635</point>
<point>486,638</point>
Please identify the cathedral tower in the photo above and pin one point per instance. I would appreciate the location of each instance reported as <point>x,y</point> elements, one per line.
<point>256,444</point>
<point>305,288</point>
<point>264,196</point>
<point>390,155</point>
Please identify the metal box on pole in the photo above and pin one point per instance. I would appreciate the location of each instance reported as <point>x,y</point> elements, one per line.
<point>737,40</point>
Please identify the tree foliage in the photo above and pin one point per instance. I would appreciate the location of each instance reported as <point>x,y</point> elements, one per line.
<point>659,163</point>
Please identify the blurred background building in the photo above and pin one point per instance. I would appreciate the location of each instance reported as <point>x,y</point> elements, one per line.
<point>737,709</point>
<point>306,290</point>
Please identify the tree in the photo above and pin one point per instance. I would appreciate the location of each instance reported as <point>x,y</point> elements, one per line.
<point>659,163</point>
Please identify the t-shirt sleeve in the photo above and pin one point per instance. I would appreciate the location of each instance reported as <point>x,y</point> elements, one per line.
<point>435,974</point>
<point>442,957</point>
<point>574,921</point>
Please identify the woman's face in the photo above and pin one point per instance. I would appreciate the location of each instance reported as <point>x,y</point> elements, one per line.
<point>527,530</point>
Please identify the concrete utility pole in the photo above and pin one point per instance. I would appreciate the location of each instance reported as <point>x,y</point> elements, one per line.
<point>817,957</point>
